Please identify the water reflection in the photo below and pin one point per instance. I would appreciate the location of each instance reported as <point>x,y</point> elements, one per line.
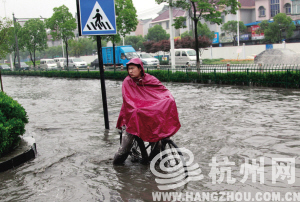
<point>75,151</point>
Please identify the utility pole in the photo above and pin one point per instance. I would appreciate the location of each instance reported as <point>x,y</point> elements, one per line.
<point>4,7</point>
<point>16,38</point>
<point>172,51</point>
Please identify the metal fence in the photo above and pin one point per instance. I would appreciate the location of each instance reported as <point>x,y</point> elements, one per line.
<point>287,76</point>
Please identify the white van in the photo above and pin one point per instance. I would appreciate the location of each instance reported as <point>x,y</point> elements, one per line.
<point>185,57</point>
<point>48,64</point>
<point>75,63</point>
<point>59,62</point>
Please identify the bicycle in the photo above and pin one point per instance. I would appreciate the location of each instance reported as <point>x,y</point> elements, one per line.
<point>145,152</point>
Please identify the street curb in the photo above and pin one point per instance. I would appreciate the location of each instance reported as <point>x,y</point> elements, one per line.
<point>23,153</point>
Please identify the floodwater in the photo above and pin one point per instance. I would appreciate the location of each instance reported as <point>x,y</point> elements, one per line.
<point>75,152</point>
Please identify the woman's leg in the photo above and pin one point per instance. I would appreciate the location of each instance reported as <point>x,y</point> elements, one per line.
<point>124,149</point>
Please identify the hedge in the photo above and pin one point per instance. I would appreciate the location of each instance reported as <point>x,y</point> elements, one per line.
<point>284,78</point>
<point>13,118</point>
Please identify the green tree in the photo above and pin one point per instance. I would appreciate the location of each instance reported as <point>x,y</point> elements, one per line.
<point>157,33</point>
<point>62,25</point>
<point>203,30</point>
<point>5,33</point>
<point>126,20</point>
<point>135,41</point>
<point>230,28</point>
<point>35,37</point>
<point>16,30</point>
<point>209,10</point>
<point>274,31</point>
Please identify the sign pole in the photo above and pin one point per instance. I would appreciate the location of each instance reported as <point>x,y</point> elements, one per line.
<point>97,18</point>
<point>102,81</point>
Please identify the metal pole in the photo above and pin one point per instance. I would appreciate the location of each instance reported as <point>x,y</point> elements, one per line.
<point>172,52</point>
<point>238,27</point>
<point>16,38</point>
<point>104,101</point>
<point>244,51</point>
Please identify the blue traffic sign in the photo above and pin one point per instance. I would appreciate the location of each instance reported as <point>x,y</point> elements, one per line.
<point>96,17</point>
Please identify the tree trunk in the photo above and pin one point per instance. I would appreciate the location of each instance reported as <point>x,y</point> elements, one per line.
<point>34,58</point>
<point>15,58</point>
<point>66,42</point>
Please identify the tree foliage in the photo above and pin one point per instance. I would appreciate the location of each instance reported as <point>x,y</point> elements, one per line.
<point>203,30</point>
<point>62,25</point>
<point>273,31</point>
<point>157,33</point>
<point>136,42</point>
<point>16,30</point>
<point>209,10</point>
<point>126,20</point>
<point>230,28</point>
<point>83,46</point>
<point>5,33</point>
<point>34,36</point>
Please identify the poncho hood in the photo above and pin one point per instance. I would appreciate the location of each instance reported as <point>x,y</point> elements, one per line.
<point>149,110</point>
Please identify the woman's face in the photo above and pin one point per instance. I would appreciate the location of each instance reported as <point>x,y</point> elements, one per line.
<point>134,71</point>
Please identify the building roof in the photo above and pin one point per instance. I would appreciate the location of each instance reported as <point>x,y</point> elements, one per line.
<point>247,3</point>
<point>145,21</point>
<point>165,15</point>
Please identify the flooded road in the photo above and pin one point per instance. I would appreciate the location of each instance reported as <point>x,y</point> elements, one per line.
<point>75,152</point>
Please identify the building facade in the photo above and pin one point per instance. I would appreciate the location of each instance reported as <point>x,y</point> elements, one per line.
<point>267,9</point>
<point>164,20</point>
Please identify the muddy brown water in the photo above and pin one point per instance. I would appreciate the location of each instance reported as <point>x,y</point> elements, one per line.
<point>75,152</point>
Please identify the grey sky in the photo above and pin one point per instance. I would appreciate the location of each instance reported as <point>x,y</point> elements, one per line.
<point>37,8</point>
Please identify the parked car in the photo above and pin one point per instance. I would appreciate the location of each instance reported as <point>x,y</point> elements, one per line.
<point>5,67</point>
<point>59,62</point>
<point>147,59</point>
<point>95,64</point>
<point>75,63</point>
<point>185,57</point>
<point>48,64</point>
<point>23,66</point>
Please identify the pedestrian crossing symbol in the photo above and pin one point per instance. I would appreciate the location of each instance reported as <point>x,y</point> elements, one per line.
<point>97,17</point>
<point>98,20</point>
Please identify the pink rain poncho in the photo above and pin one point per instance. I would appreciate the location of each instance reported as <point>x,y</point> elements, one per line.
<point>149,110</point>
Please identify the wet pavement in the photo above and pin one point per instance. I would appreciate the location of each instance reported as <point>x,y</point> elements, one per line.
<point>75,152</point>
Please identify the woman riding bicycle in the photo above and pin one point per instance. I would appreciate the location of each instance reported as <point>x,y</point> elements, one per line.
<point>149,110</point>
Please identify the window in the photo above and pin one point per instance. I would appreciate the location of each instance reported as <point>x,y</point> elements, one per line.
<point>177,53</point>
<point>184,53</point>
<point>296,7</point>
<point>167,25</point>
<point>262,11</point>
<point>223,18</point>
<point>287,7</point>
<point>275,8</point>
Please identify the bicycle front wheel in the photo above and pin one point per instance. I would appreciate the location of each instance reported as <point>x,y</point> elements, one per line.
<point>171,156</point>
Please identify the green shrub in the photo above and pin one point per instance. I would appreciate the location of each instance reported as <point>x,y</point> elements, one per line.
<point>268,78</point>
<point>13,118</point>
